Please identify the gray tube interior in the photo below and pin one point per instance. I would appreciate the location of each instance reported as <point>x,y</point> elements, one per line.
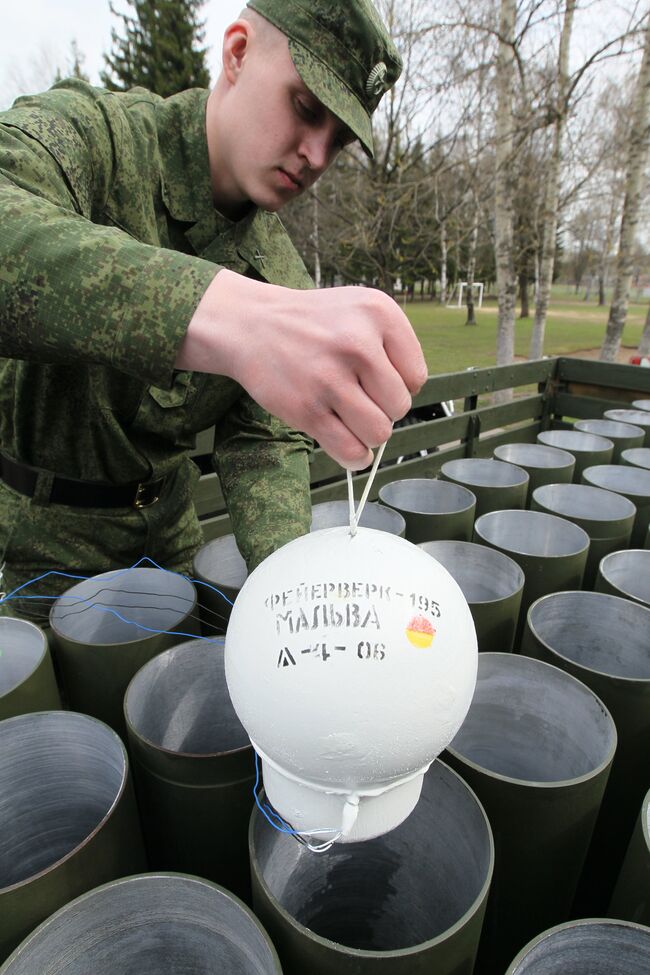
<point>595,948</point>
<point>393,892</point>
<point>573,440</point>
<point>220,563</point>
<point>22,646</point>
<point>149,925</point>
<point>180,701</point>
<point>145,598</point>
<point>533,455</point>
<point>426,496</point>
<point>640,456</point>
<point>532,722</point>
<point>483,574</point>
<point>612,477</point>
<point>638,417</point>
<point>336,514</point>
<point>532,533</point>
<point>60,774</point>
<point>584,501</point>
<point>484,473</point>
<point>601,632</point>
<point>629,571</point>
<point>609,428</point>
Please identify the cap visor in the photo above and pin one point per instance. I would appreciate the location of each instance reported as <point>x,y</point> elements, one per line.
<point>334,95</point>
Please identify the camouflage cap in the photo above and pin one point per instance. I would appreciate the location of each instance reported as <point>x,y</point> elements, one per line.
<point>342,52</point>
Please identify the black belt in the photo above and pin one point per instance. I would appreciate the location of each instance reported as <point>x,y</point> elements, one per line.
<point>81,494</point>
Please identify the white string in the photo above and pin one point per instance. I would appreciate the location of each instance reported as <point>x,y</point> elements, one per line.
<point>353,524</point>
<point>355,516</point>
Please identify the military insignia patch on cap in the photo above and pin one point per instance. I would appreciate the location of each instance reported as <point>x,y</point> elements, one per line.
<point>376,79</point>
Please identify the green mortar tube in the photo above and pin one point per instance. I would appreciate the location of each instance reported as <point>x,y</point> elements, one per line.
<point>410,902</point>
<point>68,818</point>
<point>431,509</point>
<point>98,652</point>
<point>491,583</point>
<point>193,765</point>
<point>27,681</point>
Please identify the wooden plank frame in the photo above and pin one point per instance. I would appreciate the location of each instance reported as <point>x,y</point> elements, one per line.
<point>546,393</point>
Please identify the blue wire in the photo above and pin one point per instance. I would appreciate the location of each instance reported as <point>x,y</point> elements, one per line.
<point>267,811</point>
<point>117,574</point>
<point>9,597</point>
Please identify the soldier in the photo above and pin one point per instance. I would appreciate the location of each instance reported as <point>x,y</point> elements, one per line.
<point>149,291</point>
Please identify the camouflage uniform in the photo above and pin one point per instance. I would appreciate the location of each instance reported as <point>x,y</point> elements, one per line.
<point>108,241</point>
<point>93,313</point>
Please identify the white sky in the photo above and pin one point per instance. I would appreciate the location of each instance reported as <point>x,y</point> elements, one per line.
<point>35,37</point>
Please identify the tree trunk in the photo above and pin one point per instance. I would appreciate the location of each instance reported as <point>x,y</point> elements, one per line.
<point>552,194</point>
<point>443,263</point>
<point>644,344</point>
<point>503,206</point>
<point>523,295</point>
<point>607,245</point>
<point>636,157</point>
<point>471,268</point>
<point>590,281</point>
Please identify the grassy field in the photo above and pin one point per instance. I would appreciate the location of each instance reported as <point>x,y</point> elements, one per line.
<point>572,326</point>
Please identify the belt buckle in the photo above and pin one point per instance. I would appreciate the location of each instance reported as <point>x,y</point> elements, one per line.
<point>146,495</point>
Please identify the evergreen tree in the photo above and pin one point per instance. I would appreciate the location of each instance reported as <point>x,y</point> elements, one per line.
<point>160,48</point>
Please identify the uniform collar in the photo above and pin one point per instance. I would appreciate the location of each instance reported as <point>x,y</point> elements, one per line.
<point>186,186</point>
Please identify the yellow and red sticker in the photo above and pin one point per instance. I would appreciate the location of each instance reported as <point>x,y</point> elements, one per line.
<point>420,631</point>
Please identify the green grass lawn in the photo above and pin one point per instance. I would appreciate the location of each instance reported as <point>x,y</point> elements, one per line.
<point>572,325</point>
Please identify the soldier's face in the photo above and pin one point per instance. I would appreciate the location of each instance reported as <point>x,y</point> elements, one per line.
<point>271,138</point>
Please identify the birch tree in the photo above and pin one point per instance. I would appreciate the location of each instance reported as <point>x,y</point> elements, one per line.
<point>636,158</point>
<point>552,195</point>
<point>503,204</point>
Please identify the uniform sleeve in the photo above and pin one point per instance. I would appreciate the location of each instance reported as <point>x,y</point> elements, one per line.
<point>71,289</point>
<point>263,467</point>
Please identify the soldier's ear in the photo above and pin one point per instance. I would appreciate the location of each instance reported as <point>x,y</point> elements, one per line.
<point>236,43</point>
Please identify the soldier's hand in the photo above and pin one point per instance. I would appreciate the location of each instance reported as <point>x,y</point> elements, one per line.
<point>340,364</point>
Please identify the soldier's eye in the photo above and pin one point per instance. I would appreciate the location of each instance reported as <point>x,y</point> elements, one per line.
<point>305,111</point>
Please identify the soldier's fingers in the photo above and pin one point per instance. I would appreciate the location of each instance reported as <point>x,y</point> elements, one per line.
<point>385,387</point>
<point>341,444</point>
<point>361,415</point>
<point>405,352</point>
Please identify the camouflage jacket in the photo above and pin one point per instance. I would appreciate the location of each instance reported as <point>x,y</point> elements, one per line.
<point>108,240</point>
